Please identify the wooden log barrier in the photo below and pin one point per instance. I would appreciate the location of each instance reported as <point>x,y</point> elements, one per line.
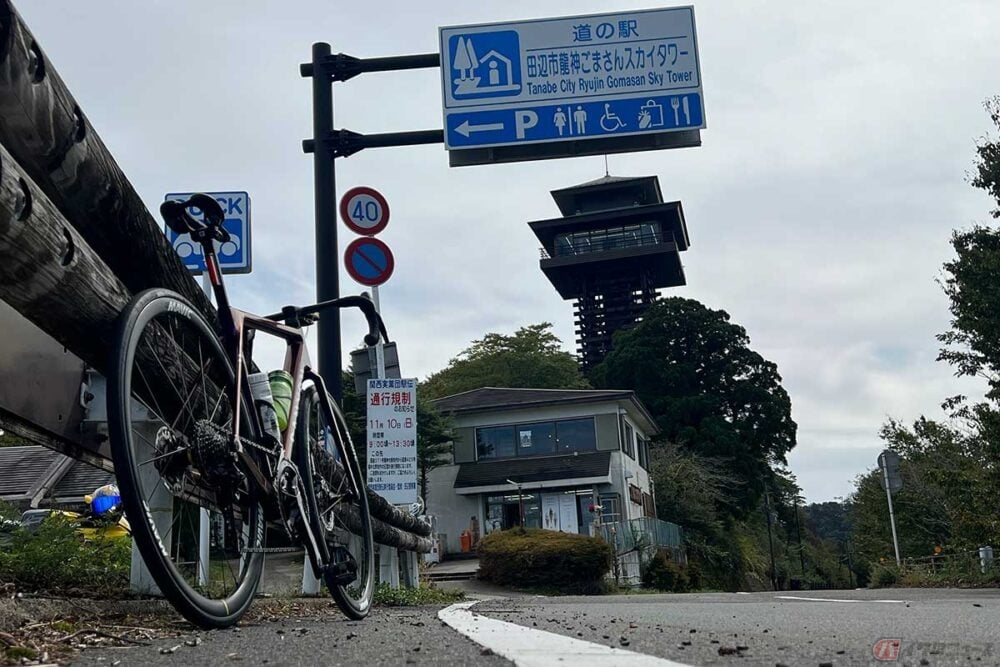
<point>50,274</point>
<point>50,137</point>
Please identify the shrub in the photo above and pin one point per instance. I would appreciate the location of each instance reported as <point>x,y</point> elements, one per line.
<point>663,574</point>
<point>694,574</point>
<point>537,558</point>
<point>54,558</point>
<point>883,577</point>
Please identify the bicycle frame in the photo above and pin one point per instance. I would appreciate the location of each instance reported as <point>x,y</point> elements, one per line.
<point>239,328</point>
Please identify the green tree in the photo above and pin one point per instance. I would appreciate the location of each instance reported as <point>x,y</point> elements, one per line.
<point>530,358</point>
<point>708,391</point>
<point>829,520</point>
<point>971,282</point>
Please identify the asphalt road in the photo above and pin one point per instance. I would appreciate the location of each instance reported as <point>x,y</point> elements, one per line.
<point>397,636</point>
<point>933,627</point>
<point>936,626</point>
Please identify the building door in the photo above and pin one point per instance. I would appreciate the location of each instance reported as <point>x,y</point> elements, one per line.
<point>511,515</point>
<point>586,516</point>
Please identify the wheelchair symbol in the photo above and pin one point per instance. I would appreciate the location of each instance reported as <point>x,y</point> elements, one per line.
<point>610,120</point>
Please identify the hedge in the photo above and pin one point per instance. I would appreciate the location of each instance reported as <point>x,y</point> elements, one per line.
<point>536,558</point>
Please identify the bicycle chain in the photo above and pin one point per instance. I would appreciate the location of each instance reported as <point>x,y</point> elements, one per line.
<point>274,450</point>
<point>271,550</point>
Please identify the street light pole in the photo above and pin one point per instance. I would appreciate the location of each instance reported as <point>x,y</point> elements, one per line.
<point>520,499</point>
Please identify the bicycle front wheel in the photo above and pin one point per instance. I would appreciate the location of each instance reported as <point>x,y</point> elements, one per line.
<point>196,520</point>
<point>338,503</point>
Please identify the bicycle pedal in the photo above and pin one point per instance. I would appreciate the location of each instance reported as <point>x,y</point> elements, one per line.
<point>343,570</point>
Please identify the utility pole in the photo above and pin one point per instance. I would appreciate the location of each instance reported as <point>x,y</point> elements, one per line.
<point>770,541</point>
<point>798,536</point>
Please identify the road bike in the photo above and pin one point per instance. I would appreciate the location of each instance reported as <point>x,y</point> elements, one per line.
<point>205,474</point>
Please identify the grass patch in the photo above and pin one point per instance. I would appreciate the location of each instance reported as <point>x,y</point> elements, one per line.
<point>18,653</point>
<point>415,597</point>
<point>53,558</point>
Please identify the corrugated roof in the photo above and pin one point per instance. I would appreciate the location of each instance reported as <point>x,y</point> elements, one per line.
<point>534,469</point>
<point>22,467</point>
<point>498,398</point>
<point>81,479</point>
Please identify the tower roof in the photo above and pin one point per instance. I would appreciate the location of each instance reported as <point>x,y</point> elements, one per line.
<point>608,192</point>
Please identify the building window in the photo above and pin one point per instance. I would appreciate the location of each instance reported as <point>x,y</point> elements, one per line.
<point>576,435</point>
<point>628,439</point>
<point>647,505</point>
<point>536,438</point>
<point>643,451</point>
<point>567,510</point>
<point>611,508</point>
<point>495,442</point>
<point>601,240</point>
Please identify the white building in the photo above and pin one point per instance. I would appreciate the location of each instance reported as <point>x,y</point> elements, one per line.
<point>577,456</point>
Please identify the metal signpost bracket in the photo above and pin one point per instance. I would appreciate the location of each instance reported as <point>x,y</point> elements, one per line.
<point>345,143</point>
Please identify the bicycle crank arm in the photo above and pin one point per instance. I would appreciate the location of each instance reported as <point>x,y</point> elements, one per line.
<point>288,475</point>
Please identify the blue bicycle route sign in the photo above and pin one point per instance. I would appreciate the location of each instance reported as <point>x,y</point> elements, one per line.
<point>234,256</point>
<point>571,79</point>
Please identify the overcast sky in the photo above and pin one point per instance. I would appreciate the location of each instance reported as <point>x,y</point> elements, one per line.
<point>833,169</point>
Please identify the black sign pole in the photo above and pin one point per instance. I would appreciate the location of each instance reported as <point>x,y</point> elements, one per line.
<point>325,197</point>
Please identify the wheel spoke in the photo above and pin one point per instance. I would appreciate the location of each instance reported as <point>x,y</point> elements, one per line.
<point>180,375</point>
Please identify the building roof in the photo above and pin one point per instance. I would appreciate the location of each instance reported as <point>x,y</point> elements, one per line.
<point>533,469</point>
<point>39,473</point>
<point>495,399</point>
<point>608,192</point>
<point>80,480</point>
<point>22,467</point>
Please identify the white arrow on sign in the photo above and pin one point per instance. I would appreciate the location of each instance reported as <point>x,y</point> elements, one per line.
<point>467,128</point>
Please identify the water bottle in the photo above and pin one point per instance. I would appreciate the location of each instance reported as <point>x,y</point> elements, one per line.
<point>260,388</point>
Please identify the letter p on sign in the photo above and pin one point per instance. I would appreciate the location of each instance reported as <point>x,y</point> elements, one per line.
<point>524,120</point>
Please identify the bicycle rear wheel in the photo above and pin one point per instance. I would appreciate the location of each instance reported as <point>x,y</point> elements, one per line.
<point>338,504</point>
<point>170,418</point>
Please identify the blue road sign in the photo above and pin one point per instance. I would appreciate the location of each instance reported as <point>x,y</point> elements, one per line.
<point>234,256</point>
<point>571,79</point>
<point>369,261</point>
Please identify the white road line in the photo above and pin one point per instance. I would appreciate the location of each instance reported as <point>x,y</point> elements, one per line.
<point>795,597</point>
<point>528,647</point>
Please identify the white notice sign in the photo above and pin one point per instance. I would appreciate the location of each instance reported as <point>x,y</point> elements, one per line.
<point>567,514</point>
<point>392,439</point>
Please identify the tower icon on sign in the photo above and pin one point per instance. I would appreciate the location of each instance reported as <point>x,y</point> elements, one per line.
<point>486,64</point>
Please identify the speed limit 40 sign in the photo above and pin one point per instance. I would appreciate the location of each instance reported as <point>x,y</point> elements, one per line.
<point>364,210</point>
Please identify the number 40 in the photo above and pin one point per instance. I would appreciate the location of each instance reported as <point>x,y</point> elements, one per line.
<point>366,210</point>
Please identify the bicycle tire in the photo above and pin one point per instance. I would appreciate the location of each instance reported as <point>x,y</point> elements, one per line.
<point>336,521</point>
<point>181,467</point>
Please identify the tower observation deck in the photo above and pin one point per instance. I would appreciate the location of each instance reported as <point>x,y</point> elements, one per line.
<point>617,243</point>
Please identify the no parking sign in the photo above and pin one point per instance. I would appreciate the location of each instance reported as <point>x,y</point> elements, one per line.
<point>369,261</point>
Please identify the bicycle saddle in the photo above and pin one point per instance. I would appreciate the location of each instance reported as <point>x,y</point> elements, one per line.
<point>175,214</point>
